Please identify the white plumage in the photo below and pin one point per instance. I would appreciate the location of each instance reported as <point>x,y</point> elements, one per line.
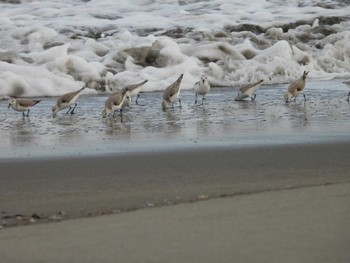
<point>296,88</point>
<point>115,102</point>
<point>22,105</point>
<point>248,90</point>
<point>172,93</point>
<point>67,100</point>
<point>201,87</point>
<point>347,83</point>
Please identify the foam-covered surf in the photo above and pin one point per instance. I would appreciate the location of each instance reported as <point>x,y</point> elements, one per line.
<point>48,48</point>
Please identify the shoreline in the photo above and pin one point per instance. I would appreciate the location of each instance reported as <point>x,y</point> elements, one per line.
<point>221,122</point>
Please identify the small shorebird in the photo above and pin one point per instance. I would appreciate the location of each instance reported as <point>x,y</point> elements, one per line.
<point>115,102</point>
<point>172,92</point>
<point>248,90</point>
<point>22,105</point>
<point>201,87</point>
<point>347,83</point>
<point>66,101</point>
<point>135,90</point>
<point>296,87</point>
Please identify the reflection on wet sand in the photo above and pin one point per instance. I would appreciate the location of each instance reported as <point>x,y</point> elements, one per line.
<point>21,132</point>
<point>121,127</point>
<point>247,105</point>
<point>203,124</point>
<point>298,114</point>
<point>67,129</point>
<point>173,123</point>
<point>69,135</point>
<point>65,120</point>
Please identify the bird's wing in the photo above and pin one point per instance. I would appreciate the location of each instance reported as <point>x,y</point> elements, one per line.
<point>27,103</point>
<point>117,98</point>
<point>134,86</point>
<point>246,87</point>
<point>173,89</point>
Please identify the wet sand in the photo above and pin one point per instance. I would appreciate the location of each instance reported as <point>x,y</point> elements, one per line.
<point>83,165</point>
<point>53,189</point>
<point>299,225</point>
<point>221,122</point>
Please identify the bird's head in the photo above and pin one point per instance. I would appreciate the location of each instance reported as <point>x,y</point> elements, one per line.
<point>105,112</point>
<point>12,101</point>
<point>287,96</point>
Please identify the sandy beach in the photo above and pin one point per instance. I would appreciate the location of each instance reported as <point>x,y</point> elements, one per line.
<point>256,180</point>
<point>83,166</point>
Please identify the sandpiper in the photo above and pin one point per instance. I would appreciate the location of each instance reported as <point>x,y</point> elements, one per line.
<point>201,87</point>
<point>22,105</point>
<point>296,87</point>
<point>115,102</point>
<point>347,83</point>
<point>172,92</point>
<point>248,90</point>
<point>135,90</point>
<point>66,101</point>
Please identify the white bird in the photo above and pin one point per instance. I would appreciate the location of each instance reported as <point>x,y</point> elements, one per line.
<point>115,102</point>
<point>135,90</point>
<point>248,90</point>
<point>172,93</point>
<point>296,87</point>
<point>22,105</point>
<point>201,87</point>
<point>67,100</point>
<point>347,83</point>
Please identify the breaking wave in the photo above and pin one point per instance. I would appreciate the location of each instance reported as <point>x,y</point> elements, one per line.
<point>48,47</point>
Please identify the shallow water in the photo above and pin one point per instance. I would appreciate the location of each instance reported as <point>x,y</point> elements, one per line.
<point>221,122</point>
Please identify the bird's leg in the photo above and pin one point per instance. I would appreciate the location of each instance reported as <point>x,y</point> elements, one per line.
<point>180,103</point>
<point>349,97</point>
<point>113,114</point>
<point>253,98</point>
<point>304,97</point>
<point>23,114</point>
<point>121,112</point>
<point>138,95</point>
<point>203,99</point>
<point>28,113</point>
<point>195,102</point>
<point>69,109</point>
<point>75,105</point>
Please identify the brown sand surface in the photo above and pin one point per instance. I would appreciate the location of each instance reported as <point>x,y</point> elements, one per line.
<point>82,186</point>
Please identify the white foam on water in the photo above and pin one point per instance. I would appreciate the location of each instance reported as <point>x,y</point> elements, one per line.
<point>48,48</point>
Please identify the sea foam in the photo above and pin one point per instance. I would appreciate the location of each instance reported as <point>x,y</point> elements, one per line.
<point>49,47</point>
